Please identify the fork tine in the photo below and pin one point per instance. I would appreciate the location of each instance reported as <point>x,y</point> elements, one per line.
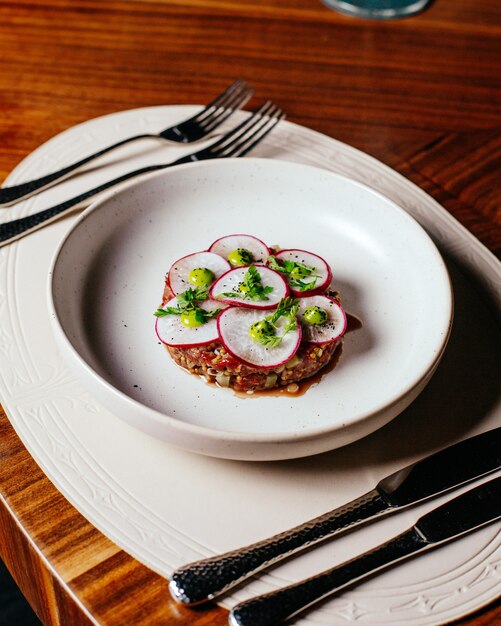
<point>258,136</point>
<point>245,144</point>
<point>236,142</point>
<point>220,114</point>
<point>259,118</point>
<point>241,128</point>
<point>249,133</point>
<point>219,100</point>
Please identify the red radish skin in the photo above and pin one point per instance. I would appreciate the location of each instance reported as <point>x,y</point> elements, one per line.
<point>171,332</point>
<point>219,349</point>
<point>224,245</point>
<point>321,335</point>
<point>178,280</point>
<point>281,289</point>
<point>243,319</point>
<point>302,256</point>
<point>183,345</point>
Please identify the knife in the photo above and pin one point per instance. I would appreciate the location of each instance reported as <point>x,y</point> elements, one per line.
<point>436,474</point>
<point>476,508</point>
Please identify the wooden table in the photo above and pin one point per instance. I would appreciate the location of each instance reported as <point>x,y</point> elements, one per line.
<point>422,95</point>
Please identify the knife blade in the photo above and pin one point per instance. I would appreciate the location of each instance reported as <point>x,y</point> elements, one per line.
<point>438,473</point>
<point>465,513</point>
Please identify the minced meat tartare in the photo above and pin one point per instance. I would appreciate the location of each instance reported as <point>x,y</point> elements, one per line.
<point>246,316</point>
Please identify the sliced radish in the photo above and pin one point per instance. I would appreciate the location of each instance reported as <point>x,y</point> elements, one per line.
<point>320,278</point>
<point>179,273</point>
<point>234,325</point>
<point>172,332</point>
<point>230,283</point>
<point>333,328</point>
<point>226,245</point>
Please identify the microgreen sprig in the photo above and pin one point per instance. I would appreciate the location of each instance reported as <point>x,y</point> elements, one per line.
<point>295,271</point>
<point>288,308</point>
<point>251,287</point>
<point>203,316</point>
<point>168,310</point>
<point>270,341</point>
<point>187,301</point>
<point>191,296</point>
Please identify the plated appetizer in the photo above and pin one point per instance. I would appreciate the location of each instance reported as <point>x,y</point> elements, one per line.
<point>249,317</point>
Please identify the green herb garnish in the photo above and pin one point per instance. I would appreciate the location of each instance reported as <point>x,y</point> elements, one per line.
<point>169,310</point>
<point>203,316</point>
<point>295,272</point>
<point>264,331</point>
<point>186,302</point>
<point>191,296</point>
<point>270,341</point>
<point>287,307</point>
<point>251,287</point>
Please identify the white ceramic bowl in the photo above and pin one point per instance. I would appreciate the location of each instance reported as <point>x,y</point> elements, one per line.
<point>107,280</point>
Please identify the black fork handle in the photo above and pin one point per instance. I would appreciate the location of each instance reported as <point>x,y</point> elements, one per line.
<point>10,195</point>
<point>189,131</point>
<point>15,229</point>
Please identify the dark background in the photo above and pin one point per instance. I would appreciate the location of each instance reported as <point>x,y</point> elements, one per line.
<point>14,610</point>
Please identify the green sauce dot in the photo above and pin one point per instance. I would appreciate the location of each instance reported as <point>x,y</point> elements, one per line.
<point>240,257</point>
<point>189,318</point>
<point>261,329</point>
<point>201,277</point>
<point>315,315</point>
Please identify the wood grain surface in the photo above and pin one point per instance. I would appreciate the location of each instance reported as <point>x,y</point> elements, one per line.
<point>422,94</point>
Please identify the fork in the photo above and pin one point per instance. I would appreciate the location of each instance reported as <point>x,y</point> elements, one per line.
<point>192,129</point>
<point>235,143</point>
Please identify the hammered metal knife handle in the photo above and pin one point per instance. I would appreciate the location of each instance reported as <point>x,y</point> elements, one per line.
<point>203,580</point>
<point>275,607</point>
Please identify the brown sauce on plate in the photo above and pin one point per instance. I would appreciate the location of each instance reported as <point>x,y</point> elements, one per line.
<point>353,323</point>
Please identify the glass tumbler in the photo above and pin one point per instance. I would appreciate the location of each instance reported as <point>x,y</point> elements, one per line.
<point>378,9</point>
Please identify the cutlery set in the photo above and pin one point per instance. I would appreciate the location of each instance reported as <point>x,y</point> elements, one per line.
<point>431,477</point>
<point>237,142</point>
